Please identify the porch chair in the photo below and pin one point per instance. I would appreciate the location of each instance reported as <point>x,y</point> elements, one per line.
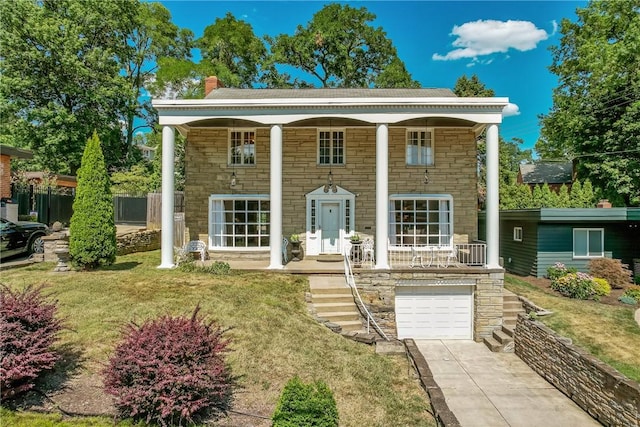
<point>199,247</point>
<point>415,257</point>
<point>285,246</point>
<point>451,257</point>
<point>368,252</point>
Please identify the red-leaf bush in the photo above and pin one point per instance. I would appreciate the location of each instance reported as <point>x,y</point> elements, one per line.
<point>171,371</point>
<point>28,330</point>
<point>613,270</point>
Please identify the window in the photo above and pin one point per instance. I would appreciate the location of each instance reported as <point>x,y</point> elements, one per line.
<point>239,221</point>
<point>588,242</point>
<point>420,147</point>
<point>517,234</point>
<point>421,220</point>
<point>331,147</point>
<point>242,147</point>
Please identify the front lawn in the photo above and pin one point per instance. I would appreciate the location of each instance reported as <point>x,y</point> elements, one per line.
<point>606,331</point>
<point>273,336</point>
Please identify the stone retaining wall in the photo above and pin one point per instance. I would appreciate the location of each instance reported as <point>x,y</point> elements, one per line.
<point>603,392</point>
<point>378,291</point>
<point>141,241</point>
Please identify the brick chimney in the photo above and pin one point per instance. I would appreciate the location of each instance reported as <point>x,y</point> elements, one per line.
<point>211,83</point>
<point>604,203</point>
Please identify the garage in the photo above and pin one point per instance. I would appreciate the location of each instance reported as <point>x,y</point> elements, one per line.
<point>434,312</point>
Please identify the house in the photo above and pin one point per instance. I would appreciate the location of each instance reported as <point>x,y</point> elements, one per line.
<point>8,210</point>
<point>398,165</point>
<point>64,183</point>
<point>148,153</point>
<point>552,173</point>
<point>532,240</point>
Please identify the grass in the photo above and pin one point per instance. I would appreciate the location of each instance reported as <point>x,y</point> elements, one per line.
<point>608,332</point>
<point>274,338</point>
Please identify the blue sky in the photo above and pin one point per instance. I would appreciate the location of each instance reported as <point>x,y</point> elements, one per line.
<point>504,42</point>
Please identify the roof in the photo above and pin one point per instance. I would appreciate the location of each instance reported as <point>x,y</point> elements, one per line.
<point>234,93</point>
<point>59,177</point>
<point>18,153</point>
<point>551,173</point>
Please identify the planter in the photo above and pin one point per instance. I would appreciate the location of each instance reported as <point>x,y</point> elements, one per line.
<point>356,253</point>
<point>295,251</point>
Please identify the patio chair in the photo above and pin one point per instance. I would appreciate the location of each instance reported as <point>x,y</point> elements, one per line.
<point>450,257</point>
<point>368,251</point>
<point>416,256</point>
<point>199,247</point>
<point>285,246</point>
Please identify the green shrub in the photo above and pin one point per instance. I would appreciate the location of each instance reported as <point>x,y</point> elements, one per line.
<point>305,405</point>
<point>627,300</point>
<point>576,285</point>
<point>558,270</point>
<point>617,274</point>
<point>633,291</point>
<point>636,279</point>
<point>601,286</point>
<point>93,232</point>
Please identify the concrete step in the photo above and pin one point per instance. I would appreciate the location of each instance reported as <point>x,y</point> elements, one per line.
<point>510,298</point>
<point>512,305</point>
<point>510,321</point>
<point>339,316</point>
<point>493,345</point>
<point>350,325</point>
<point>331,298</point>
<point>501,337</point>
<point>332,290</point>
<point>334,306</point>
<point>509,331</point>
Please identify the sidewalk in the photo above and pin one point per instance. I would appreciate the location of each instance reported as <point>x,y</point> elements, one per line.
<point>485,389</point>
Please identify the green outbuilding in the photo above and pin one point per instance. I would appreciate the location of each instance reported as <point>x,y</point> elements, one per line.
<point>531,240</point>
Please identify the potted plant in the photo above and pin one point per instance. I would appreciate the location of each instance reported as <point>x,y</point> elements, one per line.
<point>356,249</point>
<point>294,239</point>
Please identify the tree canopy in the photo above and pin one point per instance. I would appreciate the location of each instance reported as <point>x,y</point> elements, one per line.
<point>595,116</point>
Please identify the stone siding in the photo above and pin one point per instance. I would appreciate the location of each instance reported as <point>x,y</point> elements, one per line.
<point>378,293</point>
<point>603,392</point>
<point>207,172</point>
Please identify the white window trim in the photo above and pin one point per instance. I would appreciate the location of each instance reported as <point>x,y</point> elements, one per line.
<point>517,234</point>
<point>222,197</point>
<point>344,147</point>
<point>573,249</point>
<point>255,153</point>
<point>439,197</point>
<point>429,130</point>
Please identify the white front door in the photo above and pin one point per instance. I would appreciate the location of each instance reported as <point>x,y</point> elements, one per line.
<point>330,227</point>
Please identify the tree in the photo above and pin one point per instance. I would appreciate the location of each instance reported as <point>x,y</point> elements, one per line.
<point>563,200</point>
<point>595,116</point>
<point>61,76</point>
<point>93,232</point>
<point>337,48</point>
<point>548,198</point>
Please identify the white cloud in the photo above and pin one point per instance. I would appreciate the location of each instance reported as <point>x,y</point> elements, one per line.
<point>511,110</point>
<point>481,38</point>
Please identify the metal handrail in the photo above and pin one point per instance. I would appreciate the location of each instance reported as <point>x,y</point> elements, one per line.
<point>351,282</point>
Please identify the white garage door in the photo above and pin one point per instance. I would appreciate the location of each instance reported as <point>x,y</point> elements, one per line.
<point>434,312</point>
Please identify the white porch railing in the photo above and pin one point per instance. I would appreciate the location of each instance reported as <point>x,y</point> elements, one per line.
<point>460,255</point>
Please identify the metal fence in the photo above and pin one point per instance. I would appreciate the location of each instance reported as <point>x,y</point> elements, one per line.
<point>44,204</point>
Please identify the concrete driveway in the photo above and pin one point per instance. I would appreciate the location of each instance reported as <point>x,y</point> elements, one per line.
<point>497,389</point>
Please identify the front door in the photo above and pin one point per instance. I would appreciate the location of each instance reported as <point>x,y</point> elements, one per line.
<point>330,226</point>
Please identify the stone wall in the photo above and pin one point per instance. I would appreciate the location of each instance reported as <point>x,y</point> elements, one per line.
<point>378,293</point>
<point>603,392</point>
<point>207,172</point>
<point>141,241</point>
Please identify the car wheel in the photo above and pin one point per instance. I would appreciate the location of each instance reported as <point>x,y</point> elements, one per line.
<point>37,246</point>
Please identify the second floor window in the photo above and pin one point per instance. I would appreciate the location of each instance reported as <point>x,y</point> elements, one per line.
<point>419,147</point>
<point>242,147</point>
<point>331,147</point>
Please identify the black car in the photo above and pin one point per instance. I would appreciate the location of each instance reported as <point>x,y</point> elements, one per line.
<point>21,237</point>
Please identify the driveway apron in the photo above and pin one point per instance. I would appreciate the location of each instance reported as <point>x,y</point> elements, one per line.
<point>497,389</point>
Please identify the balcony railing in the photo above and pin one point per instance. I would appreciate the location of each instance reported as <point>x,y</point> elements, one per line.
<point>416,256</point>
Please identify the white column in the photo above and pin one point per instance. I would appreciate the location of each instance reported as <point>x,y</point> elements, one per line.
<point>382,196</point>
<point>493,206</point>
<point>168,164</point>
<point>275,241</point>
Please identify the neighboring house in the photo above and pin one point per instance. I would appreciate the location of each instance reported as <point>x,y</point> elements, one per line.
<point>398,165</point>
<point>148,153</point>
<point>62,181</point>
<point>553,173</point>
<point>7,153</point>
<point>531,240</point>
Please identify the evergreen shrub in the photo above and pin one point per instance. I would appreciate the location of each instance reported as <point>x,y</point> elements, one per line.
<point>171,371</point>
<point>613,270</point>
<point>633,291</point>
<point>305,405</point>
<point>28,330</point>
<point>92,240</point>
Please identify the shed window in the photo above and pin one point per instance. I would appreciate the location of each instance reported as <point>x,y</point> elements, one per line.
<point>588,242</point>
<point>517,234</point>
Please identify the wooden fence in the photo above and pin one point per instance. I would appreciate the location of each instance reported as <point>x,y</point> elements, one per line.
<point>154,208</point>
